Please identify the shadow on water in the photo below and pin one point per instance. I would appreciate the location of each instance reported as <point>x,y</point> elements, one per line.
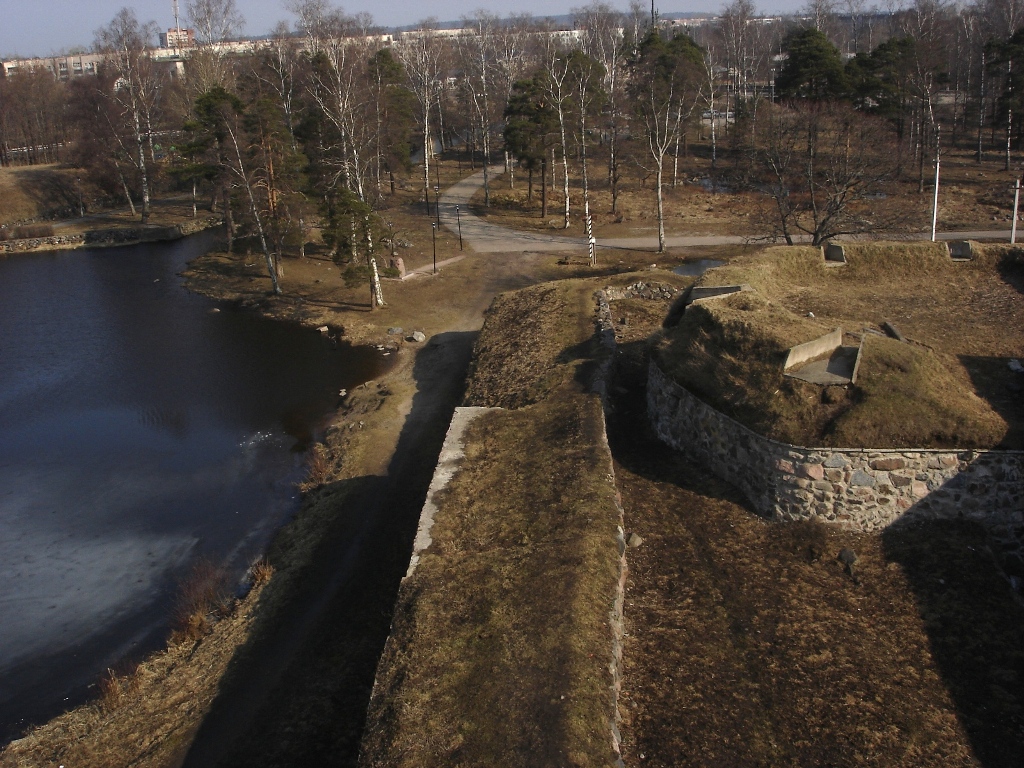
<point>297,692</point>
<point>975,626</point>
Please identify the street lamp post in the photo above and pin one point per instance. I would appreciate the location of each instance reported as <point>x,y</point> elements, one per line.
<point>433,229</point>
<point>1016,203</point>
<point>458,218</point>
<point>935,198</point>
<point>437,204</point>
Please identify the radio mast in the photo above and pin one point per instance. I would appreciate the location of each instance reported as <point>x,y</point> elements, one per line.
<point>177,28</point>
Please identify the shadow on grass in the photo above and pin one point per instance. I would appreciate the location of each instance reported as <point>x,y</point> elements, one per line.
<point>633,442</point>
<point>1003,389</point>
<point>52,193</point>
<point>1011,268</point>
<point>975,626</point>
<point>973,621</point>
<point>297,693</point>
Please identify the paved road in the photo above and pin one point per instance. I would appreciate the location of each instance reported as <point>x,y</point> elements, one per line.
<point>485,237</point>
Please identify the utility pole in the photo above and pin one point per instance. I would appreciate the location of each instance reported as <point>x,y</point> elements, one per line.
<point>935,198</point>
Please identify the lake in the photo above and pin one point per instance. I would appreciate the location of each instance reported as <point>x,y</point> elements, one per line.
<point>141,430</point>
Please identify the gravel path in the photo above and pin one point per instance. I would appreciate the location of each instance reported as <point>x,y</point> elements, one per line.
<point>485,237</point>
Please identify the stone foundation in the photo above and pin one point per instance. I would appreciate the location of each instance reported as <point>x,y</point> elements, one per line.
<point>861,488</point>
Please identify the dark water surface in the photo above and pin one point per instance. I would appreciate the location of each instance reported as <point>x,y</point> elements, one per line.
<point>697,267</point>
<point>139,431</point>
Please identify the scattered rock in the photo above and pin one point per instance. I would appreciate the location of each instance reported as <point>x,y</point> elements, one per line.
<point>847,557</point>
<point>1015,366</point>
<point>395,331</point>
<point>323,329</point>
<point>634,540</point>
<point>892,331</point>
<point>417,336</point>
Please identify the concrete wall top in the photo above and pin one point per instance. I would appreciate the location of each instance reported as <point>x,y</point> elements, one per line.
<point>809,350</point>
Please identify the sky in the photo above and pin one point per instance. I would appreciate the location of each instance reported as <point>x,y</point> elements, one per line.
<point>39,28</point>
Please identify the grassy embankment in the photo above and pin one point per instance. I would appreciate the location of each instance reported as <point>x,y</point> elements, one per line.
<point>949,387</point>
<point>749,645</point>
<point>502,641</point>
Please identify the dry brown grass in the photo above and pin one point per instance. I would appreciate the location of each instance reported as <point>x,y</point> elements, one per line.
<point>500,648</point>
<point>949,388</point>
<point>23,191</point>
<point>529,341</point>
<point>749,645</point>
<point>145,717</point>
<point>318,468</point>
<point>202,598</point>
<point>690,209</point>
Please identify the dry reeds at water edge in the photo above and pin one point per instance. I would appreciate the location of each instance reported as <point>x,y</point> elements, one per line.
<point>202,598</point>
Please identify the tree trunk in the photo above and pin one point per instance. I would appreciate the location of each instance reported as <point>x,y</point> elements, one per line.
<point>142,170</point>
<point>376,295</point>
<point>661,211</point>
<point>124,186</point>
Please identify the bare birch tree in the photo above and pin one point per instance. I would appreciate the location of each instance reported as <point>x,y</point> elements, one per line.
<point>667,81</point>
<point>126,44</point>
<point>420,52</point>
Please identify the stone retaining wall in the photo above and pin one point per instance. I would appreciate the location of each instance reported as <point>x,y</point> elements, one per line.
<point>107,237</point>
<point>860,488</point>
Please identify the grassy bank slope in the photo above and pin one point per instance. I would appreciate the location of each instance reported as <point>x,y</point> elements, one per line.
<point>501,643</point>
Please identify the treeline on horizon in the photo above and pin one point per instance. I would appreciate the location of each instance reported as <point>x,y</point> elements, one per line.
<point>817,114</point>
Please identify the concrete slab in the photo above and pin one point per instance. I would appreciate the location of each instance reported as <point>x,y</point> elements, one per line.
<point>834,254</point>
<point>961,250</point>
<point>447,465</point>
<point>706,292</point>
<point>838,368</point>
<point>813,349</point>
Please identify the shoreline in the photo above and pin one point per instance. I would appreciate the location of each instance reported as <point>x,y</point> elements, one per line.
<point>110,237</point>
